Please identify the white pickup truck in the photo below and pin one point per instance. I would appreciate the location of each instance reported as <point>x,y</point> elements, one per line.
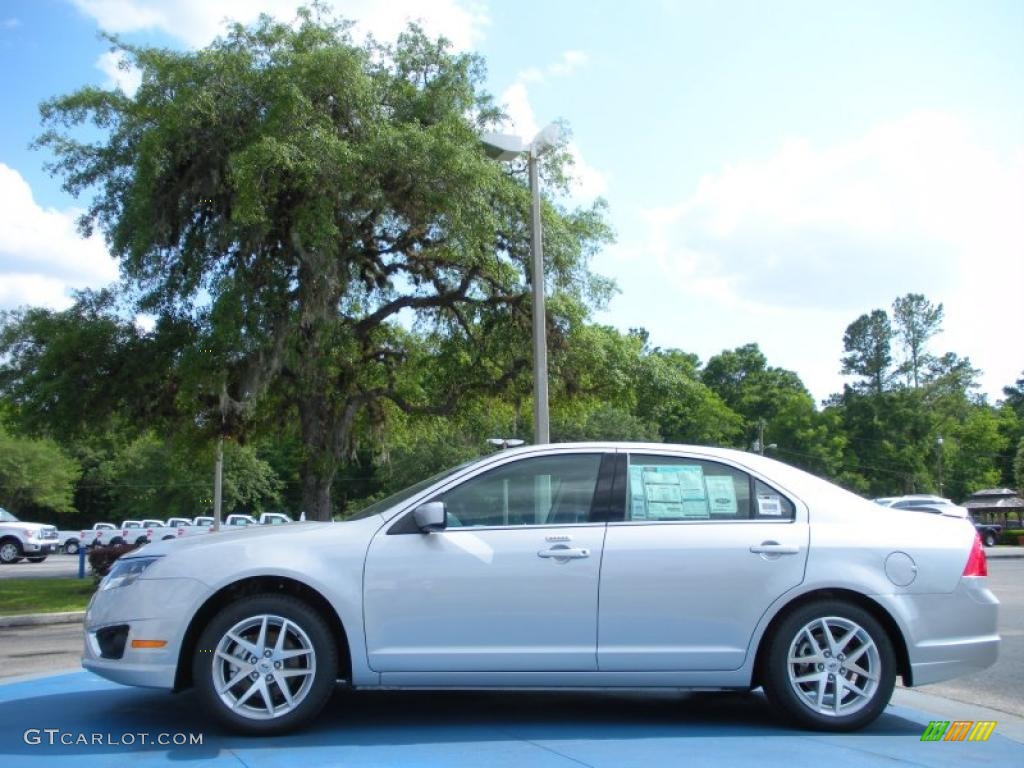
<point>180,527</point>
<point>71,541</point>
<point>30,541</point>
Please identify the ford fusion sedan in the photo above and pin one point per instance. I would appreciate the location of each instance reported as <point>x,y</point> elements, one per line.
<point>562,566</point>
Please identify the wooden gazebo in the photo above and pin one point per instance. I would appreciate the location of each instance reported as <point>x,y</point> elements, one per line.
<point>995,505</point>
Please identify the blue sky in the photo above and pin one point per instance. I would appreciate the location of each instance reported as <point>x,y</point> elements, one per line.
<point>773,169</point>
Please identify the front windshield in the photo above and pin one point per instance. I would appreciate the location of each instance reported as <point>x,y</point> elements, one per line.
<point>7,517</point>
<point>406,493</point>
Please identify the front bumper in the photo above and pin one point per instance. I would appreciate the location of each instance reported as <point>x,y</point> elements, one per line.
<point>949,635</point>
<point>40,547</point>
<point>153,609</point>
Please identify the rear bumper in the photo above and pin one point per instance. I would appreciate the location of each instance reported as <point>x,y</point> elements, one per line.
<point>948,635</point>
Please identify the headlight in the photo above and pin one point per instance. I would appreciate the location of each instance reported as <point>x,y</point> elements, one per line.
<point>124,572</point>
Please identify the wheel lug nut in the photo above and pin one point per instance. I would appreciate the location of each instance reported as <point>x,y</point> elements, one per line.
<point>267,653</point>
<point>821,667</point>
<point>277,665</point>
<point>269,678</point>
<point>255,675</point>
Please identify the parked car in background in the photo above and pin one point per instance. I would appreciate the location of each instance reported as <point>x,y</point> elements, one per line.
<point>715,569</point>
<point>989,532</point>
<point>29,541</point>
<point>71,541</point>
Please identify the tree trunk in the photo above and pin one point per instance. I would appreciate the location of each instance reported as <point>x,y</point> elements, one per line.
<point>316,493</point>
<point>326,426</point>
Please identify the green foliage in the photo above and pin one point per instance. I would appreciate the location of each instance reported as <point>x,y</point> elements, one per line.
<point>1018,467</point>
<point>867,345</point>
<point>917,320</point>
<point>35,473</point>
<point>152,477</point>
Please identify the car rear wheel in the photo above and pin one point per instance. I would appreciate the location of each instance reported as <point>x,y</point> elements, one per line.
<point>71,547</point>
<point>830,666</point>
<point>10,551</point>
<point>988,539</point>
<point>266,664</point>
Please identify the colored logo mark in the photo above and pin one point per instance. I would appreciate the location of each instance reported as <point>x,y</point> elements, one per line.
<point>958,730</point>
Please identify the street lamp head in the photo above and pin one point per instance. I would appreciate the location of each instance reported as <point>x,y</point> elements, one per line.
<point>505,442</point>
<point>546,139</point>
<point>503,146</point>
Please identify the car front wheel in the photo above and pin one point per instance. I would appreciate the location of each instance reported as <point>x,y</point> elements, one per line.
<point>830,666</point>
<point>266,664</point>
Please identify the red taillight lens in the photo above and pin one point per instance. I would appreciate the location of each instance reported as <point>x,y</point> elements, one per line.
<point>977,564</point>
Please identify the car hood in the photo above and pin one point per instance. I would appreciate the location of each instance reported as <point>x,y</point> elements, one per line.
<point>36,527</point>
<point>282,533</point>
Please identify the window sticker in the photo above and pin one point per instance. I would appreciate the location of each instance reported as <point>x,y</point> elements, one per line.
<point>769,504</point>
<point>667,492</point>
<point>721,495</point>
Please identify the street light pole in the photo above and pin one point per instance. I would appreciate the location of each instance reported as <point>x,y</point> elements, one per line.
<point>506,147</point>
<point>938,444</point>
<point>541,424</point>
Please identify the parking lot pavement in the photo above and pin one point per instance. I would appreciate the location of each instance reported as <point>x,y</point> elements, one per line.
<point>464,729</point>
<point>53,567</point>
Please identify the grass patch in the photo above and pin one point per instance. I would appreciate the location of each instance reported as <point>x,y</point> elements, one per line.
<point>44,595</point>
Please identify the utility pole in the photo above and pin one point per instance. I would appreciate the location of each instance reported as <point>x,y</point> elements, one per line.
<point>218,472</point>
<point>542,432</point>
<point>938,445</point>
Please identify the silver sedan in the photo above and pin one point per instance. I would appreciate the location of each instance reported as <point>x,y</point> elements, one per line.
<point>562,566</point>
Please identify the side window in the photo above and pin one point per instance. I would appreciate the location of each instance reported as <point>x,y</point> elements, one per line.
<point>547,490</point>
<point>677,488</point>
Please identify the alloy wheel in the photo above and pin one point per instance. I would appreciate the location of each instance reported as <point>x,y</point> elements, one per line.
<point>834,666</point>
<point>264,667</point>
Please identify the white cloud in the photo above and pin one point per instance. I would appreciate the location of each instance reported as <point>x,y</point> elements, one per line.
<point>588,181</point>
<point>197,22</point>
<point>516,102</point>
<point>127,78</point>
<point>918,204</point>
<point>42,256</point>
<point>11,23</point>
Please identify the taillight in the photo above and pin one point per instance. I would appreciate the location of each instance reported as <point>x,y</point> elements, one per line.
<point>977,564</point>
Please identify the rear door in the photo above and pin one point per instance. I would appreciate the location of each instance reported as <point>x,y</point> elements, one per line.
<point>700,551</point>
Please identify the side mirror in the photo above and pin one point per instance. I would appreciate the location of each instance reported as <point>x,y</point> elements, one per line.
<point>431,516</point>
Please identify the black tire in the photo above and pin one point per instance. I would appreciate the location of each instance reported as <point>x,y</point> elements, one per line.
<point>141,540</point>
<point>71,547</point>
<point>37,558</point>
<point>10,551</point>
<point>798,698</point>
<point>321,673</point>
<point>115,542</point>
<point>988,539</point>
<point>168,538</point>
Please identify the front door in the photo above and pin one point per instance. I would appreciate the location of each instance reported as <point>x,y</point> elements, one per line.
<point>510,585</point>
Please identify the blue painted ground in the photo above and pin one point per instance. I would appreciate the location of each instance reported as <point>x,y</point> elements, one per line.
<point>466,729</point>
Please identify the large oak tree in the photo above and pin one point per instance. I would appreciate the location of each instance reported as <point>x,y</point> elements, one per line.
<point>308,204</point>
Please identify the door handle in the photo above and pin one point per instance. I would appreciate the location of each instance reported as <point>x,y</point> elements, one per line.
<point>774,548</point>
<point>564,553</point>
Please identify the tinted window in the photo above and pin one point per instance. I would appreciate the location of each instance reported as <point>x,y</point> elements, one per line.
<point>548,490</point>
<point>681,489</point>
